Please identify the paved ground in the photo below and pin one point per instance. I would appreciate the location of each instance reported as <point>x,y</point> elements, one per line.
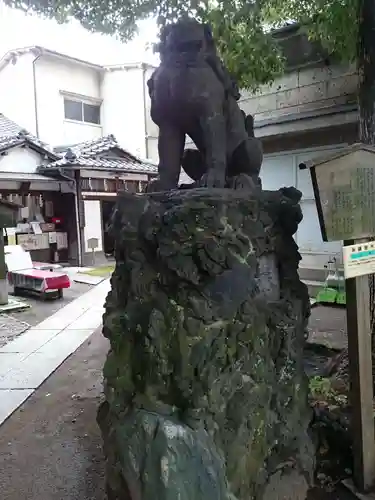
<point>328,326</point>
<point>26,362</point>
<point>12,324</point>
<point>41,309</point>
<point>50,449</point>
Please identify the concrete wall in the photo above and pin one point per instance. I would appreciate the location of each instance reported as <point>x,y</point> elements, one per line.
<point>305,90</point>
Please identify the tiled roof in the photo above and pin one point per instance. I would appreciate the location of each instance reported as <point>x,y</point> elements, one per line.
<point>8,127</point>
<point>12,135</point>
<point>122,164</point>
<point>93,147</point>
<point>96,154</point>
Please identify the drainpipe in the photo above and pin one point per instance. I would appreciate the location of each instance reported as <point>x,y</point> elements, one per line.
<point>79,222</point>
<point>144,69</point>
<point>36,96</point>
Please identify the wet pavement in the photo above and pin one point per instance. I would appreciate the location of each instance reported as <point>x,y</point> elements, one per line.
<point>15,323</point>
<point>50,449</point>
<point>327,326</point>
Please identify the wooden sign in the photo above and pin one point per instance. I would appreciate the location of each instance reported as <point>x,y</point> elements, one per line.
<point>47,226</point>
<point>61,240</point>
<point>33,241</point>
<point>92,243</point>
<point>344,189</point>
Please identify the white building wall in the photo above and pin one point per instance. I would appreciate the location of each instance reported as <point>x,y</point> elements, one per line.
<point>152,130</point>
<point>122,92</point>
<point>17,92</point>
<point>54,78</point>
<point>20,160</point>
<point>93,227</point>
<point>123,111</point>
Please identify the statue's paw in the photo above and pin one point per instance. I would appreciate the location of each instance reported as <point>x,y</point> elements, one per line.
<point>154,186</point>
<point>213,179</point>
<point>246,182</point>
<point>203,181</point>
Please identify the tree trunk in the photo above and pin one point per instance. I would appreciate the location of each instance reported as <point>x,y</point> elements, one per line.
<point>366,102</point>
<point>366,96</point>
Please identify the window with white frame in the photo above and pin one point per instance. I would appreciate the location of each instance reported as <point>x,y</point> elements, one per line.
<point>81,111</point>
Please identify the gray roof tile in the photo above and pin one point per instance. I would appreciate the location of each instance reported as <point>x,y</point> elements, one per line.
<point>12,135</point>
<point>100,154</point>
<point>8,127</point>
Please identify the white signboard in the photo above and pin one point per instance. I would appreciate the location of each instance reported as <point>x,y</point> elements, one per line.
<point>52,237</point>
<point>33,241</point>
<point>61,240</point>
<point>359,259</point>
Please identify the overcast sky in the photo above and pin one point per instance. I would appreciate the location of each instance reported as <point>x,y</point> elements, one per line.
<point>20,30</point>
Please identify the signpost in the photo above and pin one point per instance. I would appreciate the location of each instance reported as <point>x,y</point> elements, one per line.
<point>344,190</point>
<point>92,244</point>
<point>359,259</point>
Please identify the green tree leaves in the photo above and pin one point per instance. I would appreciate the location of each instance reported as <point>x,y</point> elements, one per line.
<point>241,27</point>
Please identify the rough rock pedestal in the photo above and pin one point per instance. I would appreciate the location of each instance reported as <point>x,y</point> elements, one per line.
<point>206,398</point>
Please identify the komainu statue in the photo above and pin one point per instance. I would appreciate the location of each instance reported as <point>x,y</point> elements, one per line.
<point>204,383</point>
<point>192,94</point>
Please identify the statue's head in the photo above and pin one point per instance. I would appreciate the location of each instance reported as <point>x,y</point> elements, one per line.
<point>184,35</point>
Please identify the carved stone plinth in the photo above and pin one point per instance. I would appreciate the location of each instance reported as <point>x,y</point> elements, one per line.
<point>205,392</point>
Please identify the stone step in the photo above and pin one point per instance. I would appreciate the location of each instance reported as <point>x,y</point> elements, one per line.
<point>315,274</point>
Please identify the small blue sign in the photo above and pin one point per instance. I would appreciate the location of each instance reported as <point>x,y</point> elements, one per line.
<point>362,255</point>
